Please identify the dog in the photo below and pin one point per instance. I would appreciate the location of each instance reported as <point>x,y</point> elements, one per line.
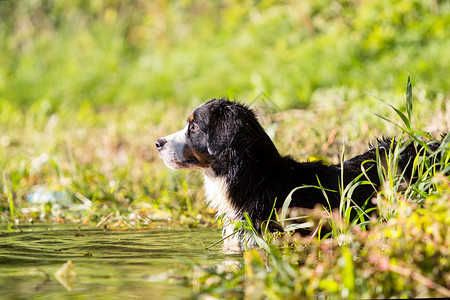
<point>245,173</point>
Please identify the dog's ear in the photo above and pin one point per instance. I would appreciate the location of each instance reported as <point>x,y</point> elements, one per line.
<point>233,126</point>
<point>221,130</point>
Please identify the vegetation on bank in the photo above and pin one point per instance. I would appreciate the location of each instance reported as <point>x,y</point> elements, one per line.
<point>87,87</point>
<point>405,257</point>
<point>402,252</point>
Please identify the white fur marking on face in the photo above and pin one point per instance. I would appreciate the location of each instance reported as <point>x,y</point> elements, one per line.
<point>172,152</point>
<point>216,190</point>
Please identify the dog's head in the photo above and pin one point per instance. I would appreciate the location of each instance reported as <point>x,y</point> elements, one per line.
<point>216,131</point>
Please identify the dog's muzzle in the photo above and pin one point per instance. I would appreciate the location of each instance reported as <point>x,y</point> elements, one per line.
<point>172,150</point>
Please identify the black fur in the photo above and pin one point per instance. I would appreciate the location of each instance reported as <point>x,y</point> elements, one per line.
<point>257,174</point>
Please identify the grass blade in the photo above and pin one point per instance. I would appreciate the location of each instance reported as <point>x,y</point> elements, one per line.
<point>409,105</point>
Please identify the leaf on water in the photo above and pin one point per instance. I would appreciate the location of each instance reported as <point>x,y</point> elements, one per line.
<point>66,275</point>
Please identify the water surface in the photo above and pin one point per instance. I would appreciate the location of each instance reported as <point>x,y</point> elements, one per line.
<point>138,263</point>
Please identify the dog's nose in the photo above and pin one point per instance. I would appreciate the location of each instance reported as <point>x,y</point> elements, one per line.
<point>160,143</point>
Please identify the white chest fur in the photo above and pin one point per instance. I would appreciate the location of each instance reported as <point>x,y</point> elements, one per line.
<point>216,190</point>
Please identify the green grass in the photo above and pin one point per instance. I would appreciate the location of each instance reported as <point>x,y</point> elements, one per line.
<point>102,159</point>
<point>186,51</point>
<point>407,256</point>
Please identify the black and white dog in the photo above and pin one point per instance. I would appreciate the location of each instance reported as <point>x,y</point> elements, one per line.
<point>244,173</point>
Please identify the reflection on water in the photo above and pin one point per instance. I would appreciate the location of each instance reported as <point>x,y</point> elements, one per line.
<point>147,263</point>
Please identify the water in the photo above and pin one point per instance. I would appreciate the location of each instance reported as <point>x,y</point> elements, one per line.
<point>141,264</point>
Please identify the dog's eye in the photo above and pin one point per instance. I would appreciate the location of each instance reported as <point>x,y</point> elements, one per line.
<point>194,127</point>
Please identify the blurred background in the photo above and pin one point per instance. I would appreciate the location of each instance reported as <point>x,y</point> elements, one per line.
<point>109,52</point>
<point>86,87</point>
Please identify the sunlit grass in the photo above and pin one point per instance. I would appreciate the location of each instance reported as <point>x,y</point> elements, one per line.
<point>80,165</point>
